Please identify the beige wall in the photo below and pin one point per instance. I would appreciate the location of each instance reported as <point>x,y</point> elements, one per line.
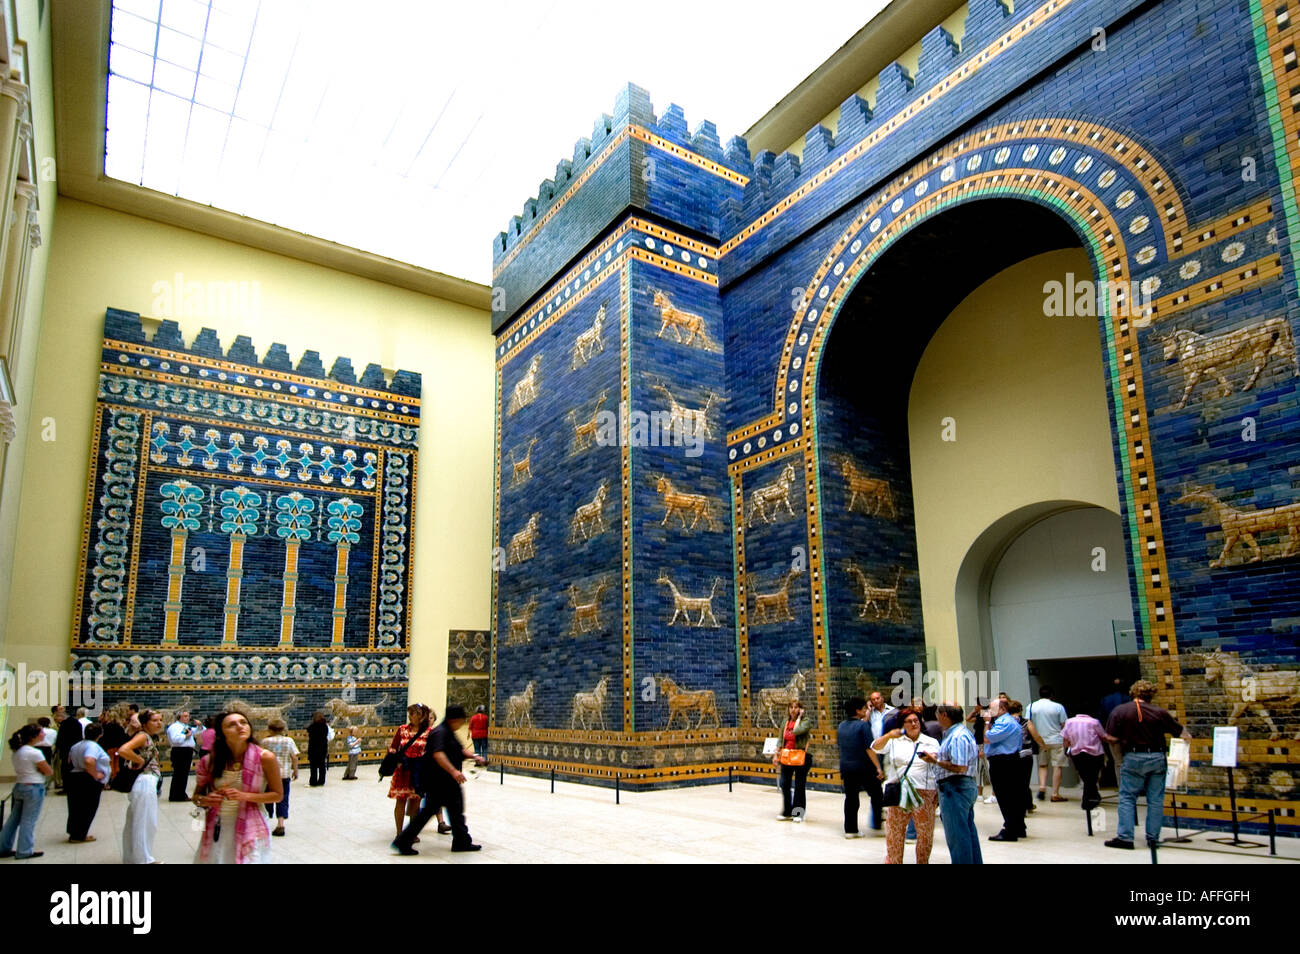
<point>100,258</point>
<point>1028,396</point>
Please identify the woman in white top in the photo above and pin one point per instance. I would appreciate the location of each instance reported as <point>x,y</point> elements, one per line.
<point>919,793</point>
<point>30,770</point>
<point>141,752</point>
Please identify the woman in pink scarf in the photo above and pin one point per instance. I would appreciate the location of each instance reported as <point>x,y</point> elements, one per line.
<point>234,782</point>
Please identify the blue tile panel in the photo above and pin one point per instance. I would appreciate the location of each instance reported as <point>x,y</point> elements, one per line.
<point>248,531</point>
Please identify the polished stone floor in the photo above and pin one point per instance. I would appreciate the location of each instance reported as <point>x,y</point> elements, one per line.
<point>521,822</point>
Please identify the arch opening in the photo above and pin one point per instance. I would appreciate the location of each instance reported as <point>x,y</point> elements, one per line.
<point>951,317</point>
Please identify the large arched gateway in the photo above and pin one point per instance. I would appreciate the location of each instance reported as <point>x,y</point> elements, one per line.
<point>723,384</point>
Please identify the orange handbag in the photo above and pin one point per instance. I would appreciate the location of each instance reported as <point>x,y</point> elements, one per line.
<point>792,756</point>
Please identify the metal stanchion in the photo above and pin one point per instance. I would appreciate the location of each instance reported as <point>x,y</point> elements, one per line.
<point>1272,831</point>
<point>552,780</point>
<point>728,778</point>
<point>617,788</point>
<point>503,773</point>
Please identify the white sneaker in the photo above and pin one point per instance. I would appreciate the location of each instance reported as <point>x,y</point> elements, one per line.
<point>783,818</point>
<point>797,818</point>
<point>853,834</point>
<point>990,800</point>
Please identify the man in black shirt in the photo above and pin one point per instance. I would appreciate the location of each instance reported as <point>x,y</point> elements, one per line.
<point>68,734</point>
<point>443,777</point>
<point>1141,728</point>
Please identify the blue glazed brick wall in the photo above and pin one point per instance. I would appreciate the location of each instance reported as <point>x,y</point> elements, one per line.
<point>1139,144</point>
<point>218,444</point>
<point>697,556</point>
<point>564,477</point>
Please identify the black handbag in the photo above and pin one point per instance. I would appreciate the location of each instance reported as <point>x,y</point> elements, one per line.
<point>393,760</point>
<point>124,780</point>
<point>893,791</point>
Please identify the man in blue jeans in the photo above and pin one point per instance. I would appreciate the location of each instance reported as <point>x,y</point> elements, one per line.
<point>955,766</point>
<point>1141,729</point>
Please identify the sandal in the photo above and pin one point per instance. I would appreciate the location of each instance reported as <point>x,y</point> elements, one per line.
<point>1059,798</point>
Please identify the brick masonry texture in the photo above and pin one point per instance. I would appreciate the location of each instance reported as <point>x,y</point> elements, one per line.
<point>1161,133</point>
<point>248,530</point>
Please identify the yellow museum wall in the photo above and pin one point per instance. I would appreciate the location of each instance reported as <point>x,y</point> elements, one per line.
<point>1028,396</point>
<point>101,258</point>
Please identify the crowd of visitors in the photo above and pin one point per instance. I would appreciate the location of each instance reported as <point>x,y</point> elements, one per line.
<point>914,764</point>
<point>917,763</point>
<point>236,775</point>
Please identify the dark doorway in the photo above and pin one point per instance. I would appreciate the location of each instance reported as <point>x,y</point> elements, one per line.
<point>1080,683</point>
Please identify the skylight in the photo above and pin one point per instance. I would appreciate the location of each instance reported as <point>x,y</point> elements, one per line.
<point>415,129</point>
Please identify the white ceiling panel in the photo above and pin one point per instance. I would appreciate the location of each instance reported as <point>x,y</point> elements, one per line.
<point>415,129</point>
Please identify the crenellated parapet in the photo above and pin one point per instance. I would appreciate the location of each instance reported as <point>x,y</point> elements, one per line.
<point>636,158</point>
<point>126,326</point>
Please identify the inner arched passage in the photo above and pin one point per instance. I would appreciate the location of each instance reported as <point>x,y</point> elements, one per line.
<point>866,443</point>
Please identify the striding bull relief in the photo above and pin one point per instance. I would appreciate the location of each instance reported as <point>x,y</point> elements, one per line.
<point>519,708</point>
<point>872,495</point>
<point>1201,357</point>
<point>677,321</point>
<point>522,543</point>
<point>766,500</point>
<point>1248,690</point>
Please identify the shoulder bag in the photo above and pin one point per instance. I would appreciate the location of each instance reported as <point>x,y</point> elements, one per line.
<point>792,756</point>
<point>126,775</point>
<point>394,759</point>
<point>893,791</point>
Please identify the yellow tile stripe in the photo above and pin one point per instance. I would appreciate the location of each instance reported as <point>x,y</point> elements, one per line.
<point>1224,285</point>
<point>681,152</point>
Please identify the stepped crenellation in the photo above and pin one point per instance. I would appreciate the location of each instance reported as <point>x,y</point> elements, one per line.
<point>942,50</point>
<point>122,325</point>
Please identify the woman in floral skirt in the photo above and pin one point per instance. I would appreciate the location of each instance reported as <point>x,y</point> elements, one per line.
<point>402,788</point>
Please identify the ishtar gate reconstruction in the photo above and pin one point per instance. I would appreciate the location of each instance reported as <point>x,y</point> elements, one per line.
<point>905,454</point>
<point>969,368</point>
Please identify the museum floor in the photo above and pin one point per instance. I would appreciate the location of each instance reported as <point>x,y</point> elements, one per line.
<point>522,822</point>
